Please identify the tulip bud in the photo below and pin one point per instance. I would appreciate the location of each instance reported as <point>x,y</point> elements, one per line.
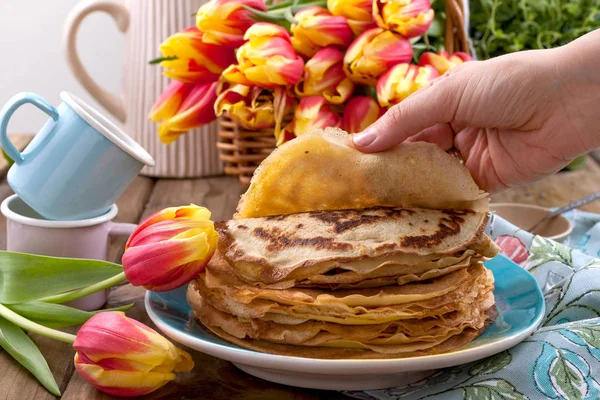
<point>314,113</point>
<point>182,107</point>
<point>123,357</point>
<point>170,248</point>
<point>324,76</point>
<point>373,53</point>
<point>442,61</point>
<point>410,18</point>
<point>267,59</point>
<point>401,81</point>
<point>224,22</point>
<point>192,60</point>
<point>252,107</point>
<point>359,13</point>
<point>317,28</point>
<point>359,113</point>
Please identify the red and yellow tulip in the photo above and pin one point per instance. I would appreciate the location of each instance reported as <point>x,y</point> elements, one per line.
<point>375,52</point>
<point>190,60</point>
<point>409,18</point>
<point>313,113</point>
<point>182,107</point>
<point>324,76</point>
<point>358,13</point>
<point>267,59</point>
<point>224,22</point>
<point>317,28</point>
<point>401,81</point>
<point>254,108</point>
<point>170,248</point>
<point>123,357</point>
<point>442,61</point>
<point>359,113</point>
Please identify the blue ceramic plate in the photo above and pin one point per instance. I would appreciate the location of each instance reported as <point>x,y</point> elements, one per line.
<point>518,298</point>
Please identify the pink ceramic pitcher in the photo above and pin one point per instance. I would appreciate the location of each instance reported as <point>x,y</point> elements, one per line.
<point>146,23</point>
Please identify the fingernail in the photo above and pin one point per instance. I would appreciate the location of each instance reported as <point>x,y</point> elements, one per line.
<point>364,139</point>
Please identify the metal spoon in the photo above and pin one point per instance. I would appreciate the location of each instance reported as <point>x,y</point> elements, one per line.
<point>572,205</point>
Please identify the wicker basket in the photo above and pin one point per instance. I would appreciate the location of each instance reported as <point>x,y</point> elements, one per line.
<point>242,150</point>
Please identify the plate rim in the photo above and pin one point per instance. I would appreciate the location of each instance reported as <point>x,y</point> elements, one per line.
<point>337,366</point>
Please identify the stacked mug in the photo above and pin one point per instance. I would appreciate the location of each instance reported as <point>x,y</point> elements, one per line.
<point>66,183</point>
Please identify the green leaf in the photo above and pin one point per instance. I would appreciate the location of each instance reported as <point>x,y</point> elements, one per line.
<point>576,164</point>
<point>591,334</point>
<point>544,250</point>
<point>57,315</point>
<point>492,389</point>
<point>9,160</point>
<point>568,379</point>
<point>491,364</point>
<point>27,277</point>
<point>21,348</point>
<point>436,29</point>
<point>158,60</point>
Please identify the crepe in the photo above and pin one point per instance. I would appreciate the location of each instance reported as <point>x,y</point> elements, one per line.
<point>323,171</point>
<point>304,246</point>
<point>351,307</point>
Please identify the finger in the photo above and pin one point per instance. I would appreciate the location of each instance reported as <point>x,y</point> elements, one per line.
<point>440,134</point>
<point>423,109</point>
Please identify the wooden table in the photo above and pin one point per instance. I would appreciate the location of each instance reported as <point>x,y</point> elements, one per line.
<point>213,378</point>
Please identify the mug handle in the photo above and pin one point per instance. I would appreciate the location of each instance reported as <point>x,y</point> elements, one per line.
<point>114,104</point>
<point>7,112</point>
<point>119,228</point>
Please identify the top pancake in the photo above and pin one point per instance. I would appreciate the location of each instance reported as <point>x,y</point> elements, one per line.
<point>323,171</point>
<point>281,244</point>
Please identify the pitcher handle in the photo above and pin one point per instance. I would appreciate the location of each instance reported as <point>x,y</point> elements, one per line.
<point>114,104</point>
<point>7,112</point>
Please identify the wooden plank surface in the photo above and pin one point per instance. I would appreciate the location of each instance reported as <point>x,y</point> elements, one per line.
<point>20,141</point>
<point>559,189</point>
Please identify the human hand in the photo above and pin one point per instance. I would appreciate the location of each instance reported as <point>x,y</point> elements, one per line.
<point>514,119</point>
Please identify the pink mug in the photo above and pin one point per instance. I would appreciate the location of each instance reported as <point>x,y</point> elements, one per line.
<point>29,232</point>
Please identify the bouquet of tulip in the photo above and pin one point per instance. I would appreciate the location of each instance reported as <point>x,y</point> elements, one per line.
<point>116,354</point>
<point>299,65</point>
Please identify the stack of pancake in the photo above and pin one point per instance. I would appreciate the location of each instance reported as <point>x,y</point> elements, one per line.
<point>325,280</point>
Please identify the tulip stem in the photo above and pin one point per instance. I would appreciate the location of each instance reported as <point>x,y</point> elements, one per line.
<point>31,326</point>
<point>79,293</point>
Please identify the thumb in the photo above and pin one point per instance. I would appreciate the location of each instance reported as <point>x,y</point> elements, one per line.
<point>423,109</point>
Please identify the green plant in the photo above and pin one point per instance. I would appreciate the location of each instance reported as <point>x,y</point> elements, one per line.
<point>505,26</point>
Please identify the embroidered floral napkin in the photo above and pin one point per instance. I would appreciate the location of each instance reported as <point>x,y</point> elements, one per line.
<point>559,361</point>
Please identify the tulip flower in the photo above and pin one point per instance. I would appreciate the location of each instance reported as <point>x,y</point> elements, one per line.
<point>123,357</point>
<point>313,113</point>
<point>410,18</point>
<point>359,113</point>
<point>373,53</point>
<point>188,59</point>
<point>324,76</point>
<point>358,13</point>
<point>182,107</point>
<point>443,61</point>
<point>316,27</point>
<point>170,248</point>
<point>267,59</point>
<point>224,22</point>
<point>252,107</point>
<point>401,81</point>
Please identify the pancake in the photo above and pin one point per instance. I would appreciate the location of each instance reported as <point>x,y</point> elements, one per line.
<point>350,307</point>
<point>323,171</point>
<point>452,343</point>
<point>301,246</point>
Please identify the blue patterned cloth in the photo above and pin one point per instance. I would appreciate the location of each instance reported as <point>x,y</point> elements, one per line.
<point>559,361</point>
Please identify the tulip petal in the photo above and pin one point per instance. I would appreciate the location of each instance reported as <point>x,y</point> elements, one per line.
<point>316,27</point>
<point>359,113</point>
<point>314,113</point>
<point>410,18</point>
<point>169,101</point>
<point>373,53</point>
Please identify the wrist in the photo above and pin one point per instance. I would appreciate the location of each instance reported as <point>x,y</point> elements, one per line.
<point>577,66</point>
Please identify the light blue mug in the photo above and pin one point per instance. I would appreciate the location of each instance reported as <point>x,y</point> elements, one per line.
<point>77,165</point>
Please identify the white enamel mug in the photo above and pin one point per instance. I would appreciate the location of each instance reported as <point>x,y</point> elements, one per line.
<point>29,232</point>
